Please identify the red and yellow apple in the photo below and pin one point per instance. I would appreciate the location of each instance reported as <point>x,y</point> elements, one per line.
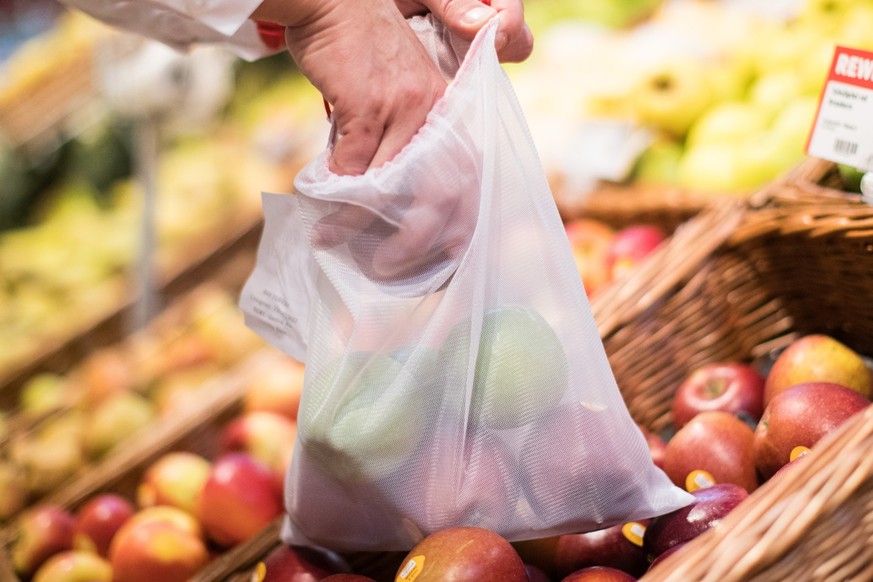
<point>801,416</point>
<point>240,498</point>
<point>99,519</point>
<point>818,358</point>
<point>598,574</point>
<point>301,564</point>
<point>589,240</point>
<point>74,566</point>
<point>462,553</point>
<point>267,436</point>
<point>727,386</point>
<point>151,550</point>
<point>716,443</point>
<point>276,388</point>
<point>175,479</point>
<point>710,506</point>
<point>630,246</point>
<point>43,531</point>
<point>618,546</point>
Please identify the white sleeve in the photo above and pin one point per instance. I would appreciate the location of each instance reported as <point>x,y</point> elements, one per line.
<point>182,23</point>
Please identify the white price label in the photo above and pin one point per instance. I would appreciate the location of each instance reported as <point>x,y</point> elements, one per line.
<point>843,129</point>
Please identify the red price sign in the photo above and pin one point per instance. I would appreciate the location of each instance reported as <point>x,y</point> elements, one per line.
<point>843,129</point>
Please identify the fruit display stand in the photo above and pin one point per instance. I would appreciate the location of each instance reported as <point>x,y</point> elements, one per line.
<point>73,273</point>
<point>699,101</point>
<point>59,428</point>
<point>789,267</point>
<point>225,258</point>
<point>197,431</point>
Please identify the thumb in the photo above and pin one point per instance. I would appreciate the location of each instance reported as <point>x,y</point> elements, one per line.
<point>463,17</point>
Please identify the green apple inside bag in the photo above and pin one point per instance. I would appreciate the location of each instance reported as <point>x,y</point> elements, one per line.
<point>520,367</point>
<point>362,417</point>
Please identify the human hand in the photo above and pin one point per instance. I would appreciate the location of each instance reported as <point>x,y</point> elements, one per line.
<point>514,40</point>
<point>373,70</point>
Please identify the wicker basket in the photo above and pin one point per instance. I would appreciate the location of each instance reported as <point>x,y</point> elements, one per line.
<point>813,523</point>
<point>620,205</point>
<point>795,263</point>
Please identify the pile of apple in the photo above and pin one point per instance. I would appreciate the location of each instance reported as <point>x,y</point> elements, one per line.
<point>604,254</point>
<point>186,508</point>
<point>734,427</point>
<point>65,423</point>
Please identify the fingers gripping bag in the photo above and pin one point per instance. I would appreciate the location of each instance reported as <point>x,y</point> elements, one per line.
<point>454,373</point>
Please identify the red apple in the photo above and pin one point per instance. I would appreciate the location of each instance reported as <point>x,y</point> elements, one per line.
<point>175,479</point>
<point>301,564</point>
<point>598,574</point>
<point>482,495</point>
<point>462,554</point>
<point>589,241</point>
<point>267,436</point>
<point>709,507</point>
<point>818,358</point>
<point>168,514</point>
<point>630,246</point>
<point>800,416</point>
<point>43,531</point>
<point>276,388</point>
<point>74,566</point>
<point>535,574</point>
<point>796,457</point>
<point>717,443</point>
<point>666,554</point>
<point>184,352</point>
<point>99,519</point>
<point>656,446</point>
<point>619,547</point>
<point>103,373</point>
<point>240,498</point>
<point>730,387</point>
<point>156,550</point>
<point>557,485</point>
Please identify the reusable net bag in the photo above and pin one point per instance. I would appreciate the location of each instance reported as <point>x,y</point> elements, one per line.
<point>454,372</point>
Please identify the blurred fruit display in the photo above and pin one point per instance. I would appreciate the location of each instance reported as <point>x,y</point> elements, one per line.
<point>61,425</point>
<point>201,485</point>
<point>716,98</point>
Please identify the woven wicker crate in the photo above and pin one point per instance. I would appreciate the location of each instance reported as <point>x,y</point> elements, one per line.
<point>799,261</point>
<point>622,205</point>
<point>816,525</point>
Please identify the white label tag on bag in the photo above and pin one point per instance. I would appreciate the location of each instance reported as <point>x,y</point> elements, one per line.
<point>843,128</point>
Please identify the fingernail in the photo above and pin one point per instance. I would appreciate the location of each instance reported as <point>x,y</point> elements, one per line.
<point>477,15</point>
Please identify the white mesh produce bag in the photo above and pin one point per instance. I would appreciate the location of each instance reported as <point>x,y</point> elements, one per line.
<point>454,372</point>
